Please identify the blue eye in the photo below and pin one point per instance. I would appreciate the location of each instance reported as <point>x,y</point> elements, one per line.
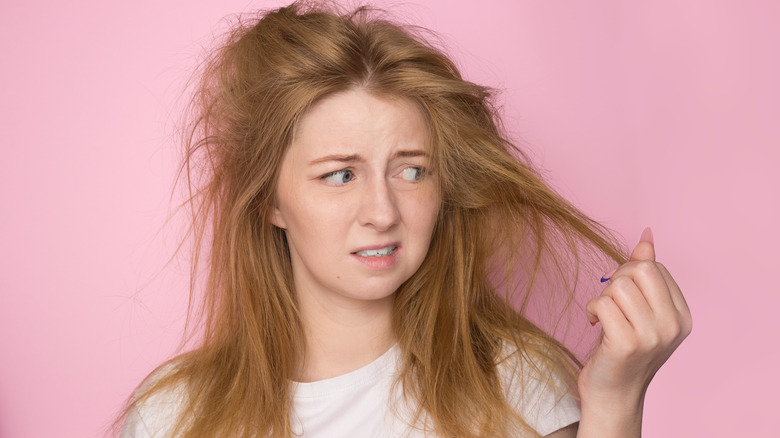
<point>339,177</point>
<point>413,174</point>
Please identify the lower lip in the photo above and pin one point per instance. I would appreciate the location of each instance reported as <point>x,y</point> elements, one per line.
<point>379,263</point>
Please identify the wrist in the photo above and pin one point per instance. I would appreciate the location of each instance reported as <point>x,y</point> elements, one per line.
<point>612,415</point>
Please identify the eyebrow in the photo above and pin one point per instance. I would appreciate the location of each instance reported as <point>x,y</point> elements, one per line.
<point>353,158</point>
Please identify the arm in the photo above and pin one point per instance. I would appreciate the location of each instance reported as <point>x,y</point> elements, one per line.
<point>644,318</point>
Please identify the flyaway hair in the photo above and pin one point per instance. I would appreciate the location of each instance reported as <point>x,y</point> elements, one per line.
<point>498,222</point>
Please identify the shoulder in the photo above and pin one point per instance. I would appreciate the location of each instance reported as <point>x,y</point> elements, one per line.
<point>155,410</point>
<point>535,387</point>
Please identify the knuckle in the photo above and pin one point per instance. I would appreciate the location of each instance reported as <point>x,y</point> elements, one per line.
<point>621,294</point>
<point>646,267</point>
<point>593,305</point>
<point>687,326</point>
<point>672,329</point>
<point>601,303</point>
<point>620,283</point>
<point>630,347</point>
<point>651,340</point>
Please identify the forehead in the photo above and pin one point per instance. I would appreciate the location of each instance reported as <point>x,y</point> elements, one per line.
<point>360,121</point>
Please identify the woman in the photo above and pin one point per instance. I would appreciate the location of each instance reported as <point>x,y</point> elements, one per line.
<point>363,214</point>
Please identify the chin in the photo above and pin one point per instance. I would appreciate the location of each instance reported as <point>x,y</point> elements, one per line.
<point>371,291</point>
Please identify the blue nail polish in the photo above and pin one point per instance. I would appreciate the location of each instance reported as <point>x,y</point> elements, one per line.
<point>605,279</point>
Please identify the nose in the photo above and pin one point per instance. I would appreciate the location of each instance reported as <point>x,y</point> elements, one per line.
<point>379,209</point>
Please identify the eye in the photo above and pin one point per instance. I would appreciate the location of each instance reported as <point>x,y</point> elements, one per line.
<point>413,174</point>
<point>339,177</point>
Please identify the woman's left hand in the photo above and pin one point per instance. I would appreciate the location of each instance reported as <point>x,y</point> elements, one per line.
<point>644,318</point>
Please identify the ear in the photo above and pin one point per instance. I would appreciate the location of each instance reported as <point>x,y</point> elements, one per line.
<point>277,218</point>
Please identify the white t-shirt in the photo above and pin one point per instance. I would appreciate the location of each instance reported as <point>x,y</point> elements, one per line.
<point>365,404</point>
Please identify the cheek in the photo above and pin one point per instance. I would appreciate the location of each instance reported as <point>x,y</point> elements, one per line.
<point>316,220</point>
<point>293,204</point>
<point>424,211</point>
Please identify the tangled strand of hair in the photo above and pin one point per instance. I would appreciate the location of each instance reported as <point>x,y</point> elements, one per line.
<point>451,322</point>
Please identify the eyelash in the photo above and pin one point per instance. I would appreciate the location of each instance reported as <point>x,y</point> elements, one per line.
<point>334,173</point>
<point>422,172</point>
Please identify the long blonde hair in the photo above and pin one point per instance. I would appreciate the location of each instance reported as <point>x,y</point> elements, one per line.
<point>449,319</point>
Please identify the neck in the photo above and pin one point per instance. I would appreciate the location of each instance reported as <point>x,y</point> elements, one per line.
<point>343,336</point>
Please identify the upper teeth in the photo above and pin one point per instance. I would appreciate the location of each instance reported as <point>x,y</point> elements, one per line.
<point>377,252</point>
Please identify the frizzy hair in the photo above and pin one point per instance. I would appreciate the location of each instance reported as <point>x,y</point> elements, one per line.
<point>450,321</point>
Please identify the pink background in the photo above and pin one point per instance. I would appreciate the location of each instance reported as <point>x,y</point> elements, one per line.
<point>663,114</point>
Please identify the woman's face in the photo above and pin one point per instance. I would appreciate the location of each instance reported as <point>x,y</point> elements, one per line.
<point>356,199</point>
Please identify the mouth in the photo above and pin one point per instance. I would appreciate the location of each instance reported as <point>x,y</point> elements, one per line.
<point>379,252</point>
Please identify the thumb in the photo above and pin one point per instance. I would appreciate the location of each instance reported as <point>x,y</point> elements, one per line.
<point>645,249</point>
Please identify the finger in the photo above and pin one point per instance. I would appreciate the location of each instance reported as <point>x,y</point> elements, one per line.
<point>675,293</point>
<point>631,302</point>
<point>645,249</point>
<point>651,283</point>
<point>613,323</point>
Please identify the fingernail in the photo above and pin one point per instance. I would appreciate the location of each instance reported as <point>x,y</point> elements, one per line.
<point>606,277</point>
<point>647,236</point>
<point>593,324</point>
